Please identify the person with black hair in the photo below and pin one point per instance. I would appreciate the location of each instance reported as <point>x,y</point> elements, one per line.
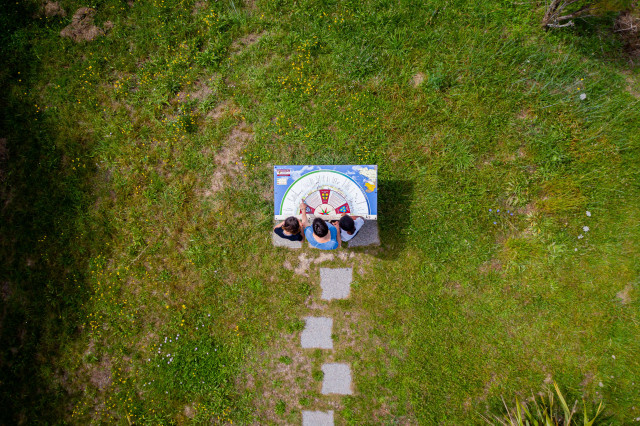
<point>321,234</point>
<point>289,229</point>
<point>349,226</point>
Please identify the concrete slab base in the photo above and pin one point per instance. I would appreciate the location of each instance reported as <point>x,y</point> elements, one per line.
<point>282,242</point>
<point>368,235</point>
<point>337,379</point>
<point>335,283</point>
<point>317,418</point>
<point>317,333</point>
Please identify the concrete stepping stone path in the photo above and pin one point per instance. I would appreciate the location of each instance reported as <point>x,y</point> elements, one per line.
<point>335,283</point>
<point>317,333</point>
<point>337,379</point>
<point>317,418</point>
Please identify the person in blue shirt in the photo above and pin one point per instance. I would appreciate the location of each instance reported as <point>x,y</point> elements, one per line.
<point>322,235</point>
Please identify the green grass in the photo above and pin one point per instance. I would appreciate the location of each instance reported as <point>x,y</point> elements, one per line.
<point>126,219</point>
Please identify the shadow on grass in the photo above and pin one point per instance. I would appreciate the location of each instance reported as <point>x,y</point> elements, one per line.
<point>45,241</point>
<point>394,216</point>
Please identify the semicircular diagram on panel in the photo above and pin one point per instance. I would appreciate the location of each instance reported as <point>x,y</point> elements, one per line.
<point>328,191</point>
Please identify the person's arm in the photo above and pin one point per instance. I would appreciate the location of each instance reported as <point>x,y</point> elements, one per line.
<point>338,234</point>
<point>305,222</point>
<point>278,225</point>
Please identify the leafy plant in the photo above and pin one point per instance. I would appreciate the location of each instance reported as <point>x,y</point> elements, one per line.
<point>545,411</point>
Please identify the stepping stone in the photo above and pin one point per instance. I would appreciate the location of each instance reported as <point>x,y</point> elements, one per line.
<point>317,333</point>
<point>335,283</point>
<point>337,379</point>
<point>317,418</point>
<point>283,242</point>
<point>366,236</point>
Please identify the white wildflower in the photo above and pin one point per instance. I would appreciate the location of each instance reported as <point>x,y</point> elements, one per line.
<point>583,96</point>
<point>588,213</point>
<point>580,236</point>
<point>585,228</point>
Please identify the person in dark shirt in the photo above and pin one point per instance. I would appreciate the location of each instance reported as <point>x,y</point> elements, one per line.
<point>289,229</point>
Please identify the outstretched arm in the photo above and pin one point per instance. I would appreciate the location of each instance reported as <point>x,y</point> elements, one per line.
<point>305,222</point>
<point>337,225</point>
<point>279,225</point>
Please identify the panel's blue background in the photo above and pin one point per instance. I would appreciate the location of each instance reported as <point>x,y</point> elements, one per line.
<point>349,170</point>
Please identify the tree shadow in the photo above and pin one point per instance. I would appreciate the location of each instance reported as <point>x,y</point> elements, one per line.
<point>394,216</point>
<point>46,239</point>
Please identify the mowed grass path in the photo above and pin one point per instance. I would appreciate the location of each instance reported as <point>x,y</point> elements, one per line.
<point>139,281</point>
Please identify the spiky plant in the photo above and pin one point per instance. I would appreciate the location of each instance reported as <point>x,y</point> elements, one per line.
<point>544,411</point>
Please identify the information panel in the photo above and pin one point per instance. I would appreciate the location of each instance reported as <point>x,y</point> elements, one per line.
<point>329,191</point>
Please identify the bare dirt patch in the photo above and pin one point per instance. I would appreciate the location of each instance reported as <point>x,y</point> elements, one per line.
<point>225,108</point>
<point>100,375</point>
<point>228,159</point>
<point>526,114</point>
<point>81,27</point>
<point>528,209</point>
<point>244,42</point>
<point>200,92</point>
<point>305,261</point>
<point>625,294</point>
<point>522,153</point>
<point>198,6</point>
<point>417,79</point>
<point>493,265</point>
<point>52,8</point>
<point>189,411</point>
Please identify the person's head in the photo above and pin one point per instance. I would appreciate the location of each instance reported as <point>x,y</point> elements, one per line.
<point>291,225</point>
<point>346,223</point>
<point>320,227</point>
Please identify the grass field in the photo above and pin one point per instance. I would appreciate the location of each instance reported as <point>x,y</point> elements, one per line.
<point>139,284</point>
